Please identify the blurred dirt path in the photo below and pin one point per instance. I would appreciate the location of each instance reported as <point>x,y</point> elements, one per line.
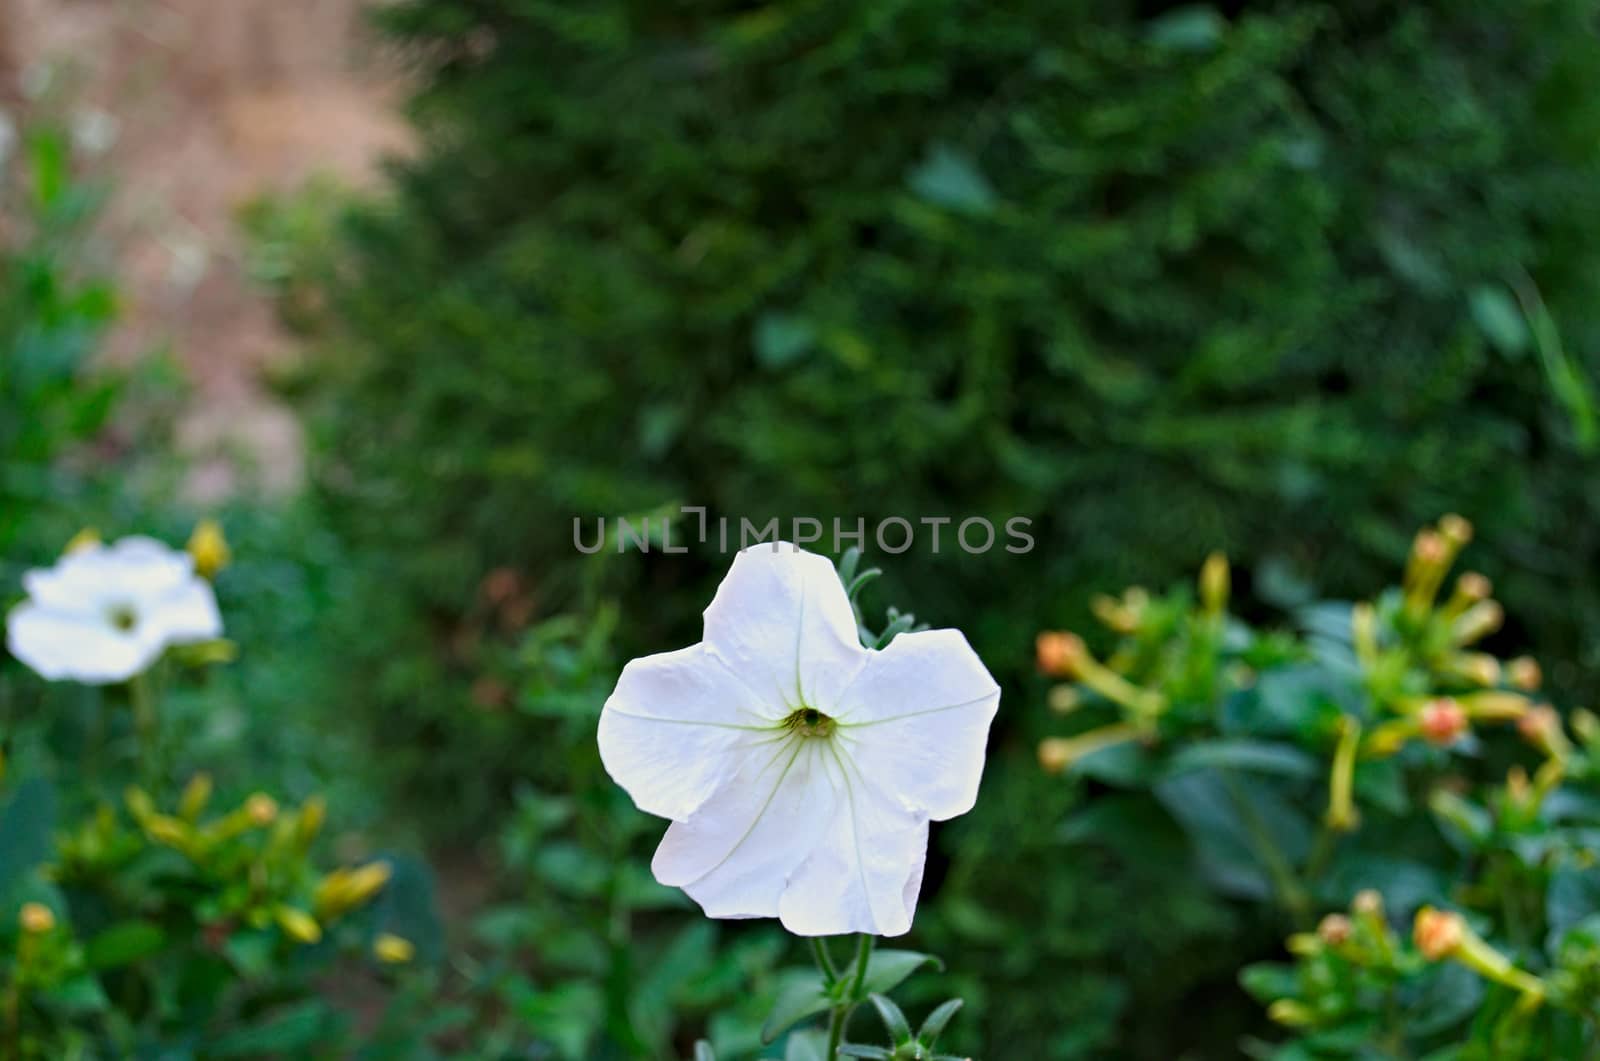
<point>200,106</point>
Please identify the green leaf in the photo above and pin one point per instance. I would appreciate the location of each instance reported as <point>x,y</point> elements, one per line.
<point>949,178</point>
<point>878,1053</point>
<point>1250,756</point>
<point>26,824</point>
<point>887,968</point>
<point>1572,895</point>
<point>893,1019</point>
<point>81,994</point>
<point>782,339</point>
<point>288,1032</point>
<point>123,943</point>
<point>934,1026</point>
<point>1269,981</point>
<point>1501,319</point>
<point>805,1046</point>
<point>1197,28</point>
<point>802,997</point>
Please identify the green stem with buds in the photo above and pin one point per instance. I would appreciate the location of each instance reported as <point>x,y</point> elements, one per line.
<point>840,1014</point>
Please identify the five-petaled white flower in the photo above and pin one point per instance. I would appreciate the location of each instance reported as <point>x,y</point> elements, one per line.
<point>106,613</point>
<point>799,769</point>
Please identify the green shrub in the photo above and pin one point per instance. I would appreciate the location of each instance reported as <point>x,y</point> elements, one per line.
<point>1285,281</point>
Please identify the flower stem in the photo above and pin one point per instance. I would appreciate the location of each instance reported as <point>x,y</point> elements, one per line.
<point>144,724</point>
<point>841,1013</point>
<point>819,951</point>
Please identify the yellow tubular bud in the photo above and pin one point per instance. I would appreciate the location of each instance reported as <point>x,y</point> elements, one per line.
<point>1477,622</point>
<point>313,812</point>
<point>196,794</point>
<point>1541,727</point>
<point>1342,815</point>
<point>1215,584</point>
<point>1367,903</point>
<point>1114,614</point>
<point>139,803</point>
<point>297,924</point>
<point>261,809</point>
<point>1456,530</point>
<point>345,889</point>
<point>87,538</point>
<point>1064,699</point>
<point>1303,944</point>
<point>1475,668</point>
<point>209,548</point>
<point>1586,725</point>
<point>1364,633</point>
<point>1058,753</point>
<point>1495,706</point>
<point>36,919</point>
<point>1291,1014</point>
<point>1431,555</point>
<point>1471,588</point>
<point>1388,738</point>
<point>393,950</point>
<point>173,832</point>
<point>1524,673</point>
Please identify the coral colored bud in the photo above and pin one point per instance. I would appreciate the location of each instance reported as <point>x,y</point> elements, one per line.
<point>1059,653</point>
<point>1438,933</point>
<point>1524,673</point>
<point>392,949</point>
<point>1429,547</point>
<point>262,809</point>
<point>87,538</point>
<point>297,924</point>
<point>36,919</point>
<point>1334,929</point>
<point>209,548</point>
<point>1442,721</point>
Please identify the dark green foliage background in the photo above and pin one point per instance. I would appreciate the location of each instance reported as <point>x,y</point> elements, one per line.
<point>1287,280</point>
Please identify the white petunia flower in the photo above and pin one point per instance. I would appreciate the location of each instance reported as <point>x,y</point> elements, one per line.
<point>799,769</point>
<point>106,613</point>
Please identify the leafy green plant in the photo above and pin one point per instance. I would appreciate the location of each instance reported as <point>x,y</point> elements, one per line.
<point>1371,759</point>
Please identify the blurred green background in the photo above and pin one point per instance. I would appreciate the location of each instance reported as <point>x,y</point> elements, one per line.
<point>1283,279</point>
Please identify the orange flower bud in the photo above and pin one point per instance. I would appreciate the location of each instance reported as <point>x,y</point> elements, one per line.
<point>1524,673</point>
<point>1059,653</point>
<point>1442,721</point>
<point>1438,933</point>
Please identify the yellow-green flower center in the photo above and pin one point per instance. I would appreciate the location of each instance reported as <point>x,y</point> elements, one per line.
<point>809,722</point>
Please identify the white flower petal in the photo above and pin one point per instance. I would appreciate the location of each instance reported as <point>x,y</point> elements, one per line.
<point>670,730</point>
<point>65,647</point>
<point>916,720</point>
<point>782,622</point>
<point>865,873</point>
<point>186,614</point>
<point>733,855</point>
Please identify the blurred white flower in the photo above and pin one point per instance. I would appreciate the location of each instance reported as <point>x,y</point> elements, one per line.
<point>799,769</point>
<point>106,613</point>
